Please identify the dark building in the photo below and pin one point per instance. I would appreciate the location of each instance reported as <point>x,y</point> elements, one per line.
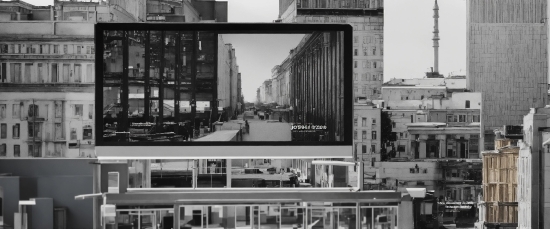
<point>317,88</point>
<point>173,70</point>
<point>52,186</point>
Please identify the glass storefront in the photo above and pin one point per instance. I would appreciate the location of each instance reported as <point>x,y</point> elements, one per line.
<point>261,216</point>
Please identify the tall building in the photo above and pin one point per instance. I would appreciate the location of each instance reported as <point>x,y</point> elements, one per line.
<point>507,60</point>
<point>367,19</point>
<point>47,82</point>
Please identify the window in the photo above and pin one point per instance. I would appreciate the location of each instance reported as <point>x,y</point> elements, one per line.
<point>454,173</point>
<point>401,148</point>
<point>77,73</point>
<point>16,151</point>
<point>373,121</point>
<point>393,124</point>
<point>15,112</point>
<point>3,149</point>
<point>355,52</point>
<point>87,132</point>
<point>15,73</point>
<point>354,64</point>
<point>412,119</point>
<point>467,103</point>
<point>93,50</point>
<point>364,135</point>
<point>59,131</point>
<point>373,148</point>
<point>88,50</point>
<point>56,49</point>
<point>355,76</point>
<point>3,48</point>
<point>374,64</point>
<point>355,39</point>
<point>401,135</point>
<point>73,133</point>
<point>364,148</point>
<point>364,122</point>
<point>364,90</point>
<point>475,118</point>
<point>78,49</point>
<point>33,110</point>
<point>461,118</point>
<point>78,110</point>
<point>2,111</point>
<point>374,135</point>
<point>54,78</point>
<point>374,51</point>
<point>35,150</point>
<point>58,109</point>
<point>355,135</point>
<point>365,52</point>
<point>355,121</point>
<point>364,77</point>
<point>15,130</point>
<point>3,73</point>
<point>65,49</point>
<point>90,111</point>
<point>3,131</point>
<point>34,132</point>
<point>451,118</point>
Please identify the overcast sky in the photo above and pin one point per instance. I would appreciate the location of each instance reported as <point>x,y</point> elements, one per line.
<point>408,27</point>
<point>257,54</point>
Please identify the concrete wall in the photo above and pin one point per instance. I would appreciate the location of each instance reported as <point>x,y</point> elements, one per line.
<point>507,58</point>
<point>59,179</point>
<point>42,214</point>
<point>401,171</point>
<point>405,220</point>
<point>47,28</point>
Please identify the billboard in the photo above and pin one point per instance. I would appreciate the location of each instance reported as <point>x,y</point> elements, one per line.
<point>204,91</point>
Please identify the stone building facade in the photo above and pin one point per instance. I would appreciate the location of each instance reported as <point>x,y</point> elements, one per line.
<point>47,75</point>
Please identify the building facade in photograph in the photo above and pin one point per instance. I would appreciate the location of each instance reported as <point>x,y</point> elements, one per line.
<point>507,60</point>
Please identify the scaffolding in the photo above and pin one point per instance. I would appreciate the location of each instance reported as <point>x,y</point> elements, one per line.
<point>500,184</point>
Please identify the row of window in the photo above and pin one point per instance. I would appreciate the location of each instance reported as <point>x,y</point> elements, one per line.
<point>368,76</point>
<point>33,150</point>
<point>369,64</point>
<point>368,51</point>
<point>34,110</point>
<point>46,49</point>
<point>364,148</point>
<point>369,40</point>
<point>462,118</point>
<point>364,121</point>
<point>364,90</point>
<point>364,135</point>
<point>46,73</point>
<point>35,131</point>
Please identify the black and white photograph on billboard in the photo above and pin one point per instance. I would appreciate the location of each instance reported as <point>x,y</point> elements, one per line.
<point>211,86</point>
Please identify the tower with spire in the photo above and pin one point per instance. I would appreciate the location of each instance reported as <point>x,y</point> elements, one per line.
<point>435,70</point>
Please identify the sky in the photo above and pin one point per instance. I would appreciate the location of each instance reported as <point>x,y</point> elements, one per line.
<point>257,54</point>
<point>408,51</point>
